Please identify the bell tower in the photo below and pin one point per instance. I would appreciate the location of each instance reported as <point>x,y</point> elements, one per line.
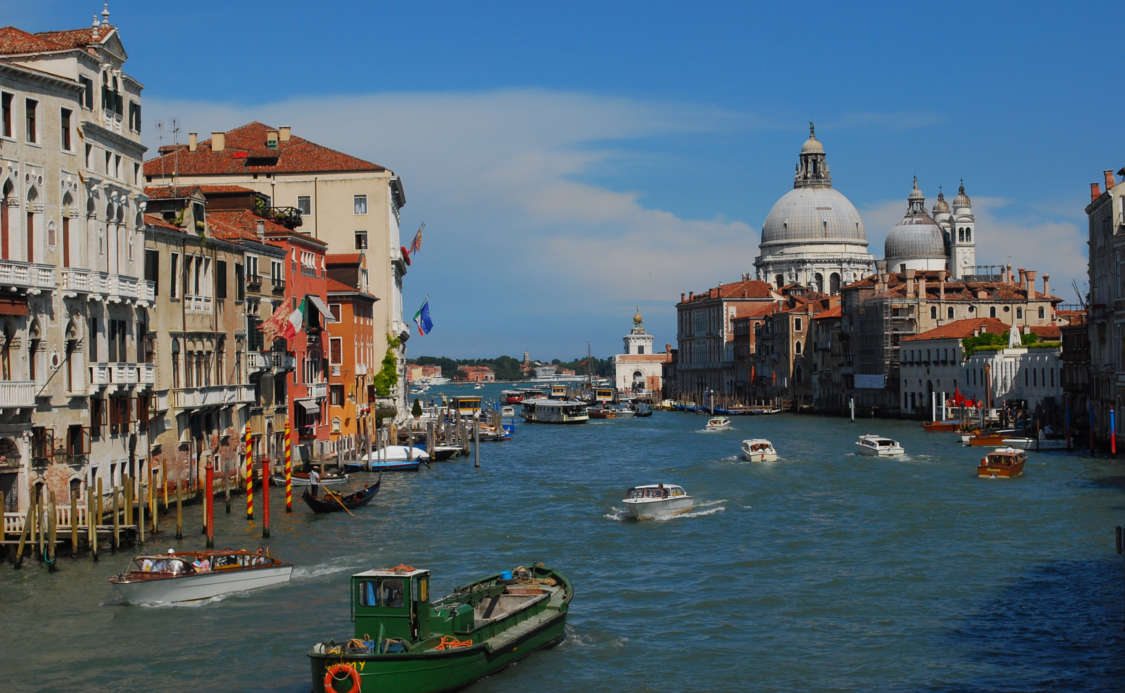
<point>962,236</point>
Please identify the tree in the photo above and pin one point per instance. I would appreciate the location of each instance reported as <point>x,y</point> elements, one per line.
<point>416,410</point>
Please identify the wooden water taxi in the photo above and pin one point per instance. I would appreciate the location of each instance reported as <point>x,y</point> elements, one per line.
<point>421,646</point>
<point>1002,463</point>
<point>188,576</point>
<point>940,426</point>
<point>511,396</point>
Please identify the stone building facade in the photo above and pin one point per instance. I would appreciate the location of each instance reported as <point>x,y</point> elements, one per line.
<point>639,370</point>
<point>1106,306</point>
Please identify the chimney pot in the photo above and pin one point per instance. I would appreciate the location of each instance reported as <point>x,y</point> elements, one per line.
<point>1109,180</point>
<point>1095,192</point>
<point>682,297</point>
<point>218,141</point>
<point>1008,275</point>
<point>271,138</point>
<point>284,133</point>
<point>1047,284</point>
<point>192,141</point>
<point>1030,282</point>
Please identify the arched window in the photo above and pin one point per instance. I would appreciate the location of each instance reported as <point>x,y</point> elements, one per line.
<point>797,347</point>
<point>949,313</point>
<point>968,235</point>
<point>933,312</point>
<point>175,363</point>
<point>1041,313</point>
<point>834,283</point>
<point>992,311</point>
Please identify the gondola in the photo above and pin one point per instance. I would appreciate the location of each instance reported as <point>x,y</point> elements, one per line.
<point>332,502</point>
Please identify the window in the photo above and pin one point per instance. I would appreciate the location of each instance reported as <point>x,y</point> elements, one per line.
<point>336,351</point>
<point>384,592</point>
<point>797,324</point>
<point>221,279</point>
<point>172,276</point>
<point>361,240</point>
<point>336,395</point>
<point>89,156</point>
<point>134,116</point>
<point>175,363</point>
<point>1041,313</point>
<point>65,124</point>
<point>992,311</point>
<point>93,339</point>
<point>31,106</point>
<point>1019,313</point>
<point>304,204</point>
<point>87,92</point>
<point>152,270</point>
<point>359,202</point>
<point>239,286</point>
<point>949,313</point>
<point>933,312</point>
<point>6,108</point>
<point>97,417</point>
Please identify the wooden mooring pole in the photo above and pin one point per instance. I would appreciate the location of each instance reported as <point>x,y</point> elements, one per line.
<point>476,442</point>
<point>141,501</point>
<point>73,524</point>
<point>116,523</point>
<point>209,505</point>
<point>180,510</point>
<point>26,532</point>
<point>52,526</point>
<point>91,524</point>
<point>265,498</point>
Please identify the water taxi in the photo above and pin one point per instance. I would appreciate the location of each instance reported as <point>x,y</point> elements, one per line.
<point>404,642</point>
<point>718,423</point>
<point>511,396</point>
<point>559,411</point>
<point>878,446</point>
<point>1002,463</point>
<point>657,501</point>
<point>758,450</point>
<point>188,576</point>
<point>941,426</point>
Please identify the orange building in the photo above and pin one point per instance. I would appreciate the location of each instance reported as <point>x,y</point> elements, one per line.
<point>351,356</point>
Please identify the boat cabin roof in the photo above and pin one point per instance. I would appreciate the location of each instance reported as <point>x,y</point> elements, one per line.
<point>756,441</point>
<point>1009,452</point>
<point>667,486</point>
<point>878,440</point>
<point>404,571</point>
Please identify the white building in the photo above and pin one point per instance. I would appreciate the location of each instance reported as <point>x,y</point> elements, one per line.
<point>639,370</point>
<point>813,235</point>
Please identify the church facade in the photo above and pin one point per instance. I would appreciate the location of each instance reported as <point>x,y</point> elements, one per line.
<point>942,240</point>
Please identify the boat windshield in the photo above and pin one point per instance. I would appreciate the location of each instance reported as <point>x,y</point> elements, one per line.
<point>381,592</point>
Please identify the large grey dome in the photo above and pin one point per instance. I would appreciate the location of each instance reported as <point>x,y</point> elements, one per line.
<point>917,236</point>
<point>813,214</point>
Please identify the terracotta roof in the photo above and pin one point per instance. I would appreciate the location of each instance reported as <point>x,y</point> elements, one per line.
<point>15,41</point>
<point>956,290</point>
<point>334,285</point>
<point>223,189</point>
<point>645,358</point>
<point>343,258</point>
<point>245,151</point>
<point>239,224</point>
<point>959,329</point>
<point>157,221</point>
<point>747,288</point>
<point>1046,332</point>
<point>835,311</point>
<point>169,192</point>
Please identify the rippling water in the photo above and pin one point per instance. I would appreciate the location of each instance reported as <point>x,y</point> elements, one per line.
<point>824,571</point>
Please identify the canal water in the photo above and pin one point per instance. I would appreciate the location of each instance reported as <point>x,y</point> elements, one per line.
<point>824,571</point>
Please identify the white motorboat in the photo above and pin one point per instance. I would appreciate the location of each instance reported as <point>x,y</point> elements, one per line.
<point>174,578</point>
<point>718,423</point>
<point>759,450</point>
<point>878,446</point>
<point>508,411</point>
<point>657,501</point>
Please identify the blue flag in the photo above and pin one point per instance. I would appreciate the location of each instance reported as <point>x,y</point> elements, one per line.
<point>422,319</point>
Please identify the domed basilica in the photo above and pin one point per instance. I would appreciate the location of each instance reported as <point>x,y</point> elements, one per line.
<point>813,236</point>
<point>944,241</point>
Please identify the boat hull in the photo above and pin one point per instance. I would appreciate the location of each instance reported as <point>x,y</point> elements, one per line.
<point>879,452</point>
<point>430,672</point>
<point>759,456</point>
<point>192,588</point>
<point>988,472</point>
<point>660,509</point>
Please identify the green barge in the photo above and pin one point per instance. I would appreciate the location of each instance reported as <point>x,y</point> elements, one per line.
<point>407,644</point>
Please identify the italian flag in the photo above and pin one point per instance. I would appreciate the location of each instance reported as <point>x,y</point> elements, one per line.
<point>295,321</point>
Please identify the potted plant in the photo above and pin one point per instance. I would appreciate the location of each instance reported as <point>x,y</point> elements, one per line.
<point>416,410</point>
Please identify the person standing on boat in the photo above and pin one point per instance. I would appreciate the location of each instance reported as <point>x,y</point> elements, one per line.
<point>314,482</point>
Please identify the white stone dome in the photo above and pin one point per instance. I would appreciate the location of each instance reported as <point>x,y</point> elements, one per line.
<point>915,238</point>
<point>813,214</point>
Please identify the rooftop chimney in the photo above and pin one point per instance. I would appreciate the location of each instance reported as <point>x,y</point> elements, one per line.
<point>941,284</point>
<point>1095,192</point>
<point>218,141</point>
<point>682,297</point>
<point>192,141</point>
<point>1008,275</point>
<point>1030,284</point>
<point>1046,285</point>
<point>271,139</point>
<point>1109,181</point>
<point>910,283</point>
<point>1022,274</point>
<point>922,287</point>
<point>284,133</point>
<point>667,348</point>
<point>261,228</point>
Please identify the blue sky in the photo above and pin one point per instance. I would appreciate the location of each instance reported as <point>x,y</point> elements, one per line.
<point>575,160</point>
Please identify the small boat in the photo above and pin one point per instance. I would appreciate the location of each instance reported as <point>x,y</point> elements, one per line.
<point>405,642</point>
<point>758,450</point>
<point>174,578</point>
<point>642,410</point>
<point>555,411</point>
<point>597,412</point>
<point>332,502</point>
<point>657,501</point>
<point>718,423</point>
<point>441,453</point>
<point>622,412</point>
<point>490,433</point>
<point>989,437</point>
<point>390,458</point>
<point>511,396</point>
<point>302,479</point>
<point>508,411</point>
<point>1002,463</point>
<point>878,446</point>
<point>941,426</point>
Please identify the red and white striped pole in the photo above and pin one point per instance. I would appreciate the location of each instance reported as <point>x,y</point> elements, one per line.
<point>288,471</point>
<point>249,476</point>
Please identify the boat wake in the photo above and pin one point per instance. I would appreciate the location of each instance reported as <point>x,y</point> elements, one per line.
<point>700,510</point>
<point>574,638</point>
<point>316,571</point>
<point>616,514</point>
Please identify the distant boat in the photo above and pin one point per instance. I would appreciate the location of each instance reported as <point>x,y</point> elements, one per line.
<point>718,423</point>
<point>389,459</point>
<point>878,446</point>
<point>172,578</point>
<point>302,479</point>
<point>332,502</point>
<point>657,501</point>
<point>558,411</point>
<point>1002,463</point>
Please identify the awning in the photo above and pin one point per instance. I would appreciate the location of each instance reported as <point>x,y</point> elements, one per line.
<point>320,305</point>
<point>310,406</point>
<point>13,306</point>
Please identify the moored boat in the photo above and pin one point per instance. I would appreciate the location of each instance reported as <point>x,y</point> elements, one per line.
<point>1002,463</point>
<point>511,396</point>
<point>332,502</point>
<point>940,426</point>
<point>758,450</point>
<point>177,577</point>
<point>878,446</point>
<point>419,646</point>
<point>642,410</point>
<point>302,479</point>
<point>718,423</point>
<point>555,411</point>
<point>657,501</point>
<point>390,458</point>
<point>989,437</point>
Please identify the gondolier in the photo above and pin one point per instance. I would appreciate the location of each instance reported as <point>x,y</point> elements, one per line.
<point>314,482</point>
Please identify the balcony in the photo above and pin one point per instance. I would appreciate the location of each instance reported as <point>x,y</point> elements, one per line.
<point>278,287</point>
<point>123,373</point>
<point>318,390</point>
<point>258,361</point>
<point>197,304</point>
<point>99,375</point>
<point>254,282</point>
<point>27,275</point>
<point>147,373</point>
<point>361,369</point>
<point>211,396</point>
<point>114,288</point>
<point>17,393</point>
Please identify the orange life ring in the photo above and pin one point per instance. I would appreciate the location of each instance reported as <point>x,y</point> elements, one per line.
<point>330,677</point>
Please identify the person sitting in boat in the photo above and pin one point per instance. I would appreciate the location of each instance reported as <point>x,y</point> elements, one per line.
<point>201,564</point>
<point>663,491</point>
<point>146,565</point>
<point>259,557</point>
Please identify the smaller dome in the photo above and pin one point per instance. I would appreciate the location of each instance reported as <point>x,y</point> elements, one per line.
<point>962,200</point>
<point>941,205</point>
<point>916,194</point>
<point>812,145</point>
